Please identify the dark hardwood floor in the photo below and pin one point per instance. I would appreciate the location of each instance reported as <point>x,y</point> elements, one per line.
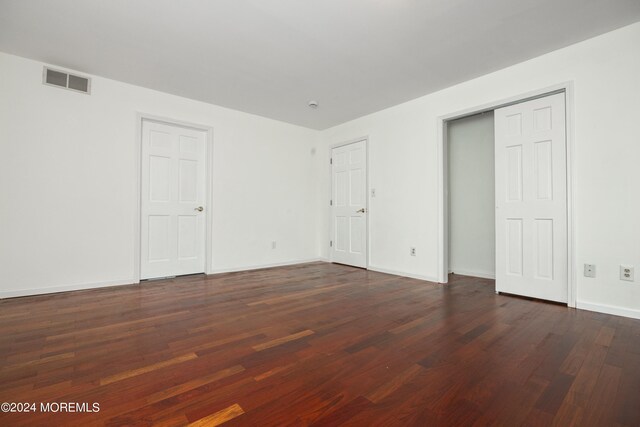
<point>316,344</point>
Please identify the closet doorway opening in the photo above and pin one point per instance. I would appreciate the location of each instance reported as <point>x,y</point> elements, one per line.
<point>513,156</point>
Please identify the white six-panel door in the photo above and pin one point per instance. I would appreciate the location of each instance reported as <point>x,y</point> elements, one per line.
<point>531,199</point>
<point>349,204</point>
<point>173,200</point>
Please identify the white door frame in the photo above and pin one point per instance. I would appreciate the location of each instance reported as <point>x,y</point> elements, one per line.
<point>366,218</point>
<point>137,226</point>
<point>443,191</point>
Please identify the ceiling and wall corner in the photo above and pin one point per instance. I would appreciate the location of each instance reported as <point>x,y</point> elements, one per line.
<point>271,58</point>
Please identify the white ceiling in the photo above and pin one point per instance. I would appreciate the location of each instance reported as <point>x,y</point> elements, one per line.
<point>270,57</point>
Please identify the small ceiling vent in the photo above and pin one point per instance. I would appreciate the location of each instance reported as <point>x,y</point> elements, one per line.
<point>65,80</point>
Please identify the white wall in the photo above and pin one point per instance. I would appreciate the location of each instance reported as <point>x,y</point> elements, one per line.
<point>471,184</point>
<point>403,149</point>
<point>68,182</point>
<point>67,175</point>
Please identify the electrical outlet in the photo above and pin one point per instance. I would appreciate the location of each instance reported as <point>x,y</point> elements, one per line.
<point>626,273</point>
<point>412,251</point>
<point>273,244</point>
<point>589,270</point>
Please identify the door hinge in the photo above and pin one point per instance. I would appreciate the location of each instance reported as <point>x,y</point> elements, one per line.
<point>331,243</point>
<point>331,161</point>
<point>331,202</point>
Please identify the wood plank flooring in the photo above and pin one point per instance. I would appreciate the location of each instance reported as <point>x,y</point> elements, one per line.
<point>316,344</point>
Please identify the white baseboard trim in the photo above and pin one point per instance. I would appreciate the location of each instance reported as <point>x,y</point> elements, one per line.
<point>481,274</point>
<point>97,285</point>
<point>400,273</point>
<point>65,288</point>
<point>608,309</point>
<point>261,266</point>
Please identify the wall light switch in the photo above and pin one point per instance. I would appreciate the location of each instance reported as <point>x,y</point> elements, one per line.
<point>626,273</point>
<point>589,270</point>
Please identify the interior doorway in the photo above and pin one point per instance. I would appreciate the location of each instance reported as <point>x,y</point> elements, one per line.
<point>349,239</point>
<point>471,177</point>
<point>530,196</point>
<point>173,199</point>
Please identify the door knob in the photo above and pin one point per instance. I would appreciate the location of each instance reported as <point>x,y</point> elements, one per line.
<point>199,209</point>
<point>363,210</point>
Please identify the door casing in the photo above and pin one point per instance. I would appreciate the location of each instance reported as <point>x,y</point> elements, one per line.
<point>331,230</point>
<point>141,117</point>
<point>443,198</point>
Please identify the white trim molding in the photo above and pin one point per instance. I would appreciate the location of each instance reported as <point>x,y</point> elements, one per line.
<point>131,281</point>
<point>261,266</point>
<point>65,288</point>
<point>403,274</point>
<point>480,274</point>
<point>608,309</point>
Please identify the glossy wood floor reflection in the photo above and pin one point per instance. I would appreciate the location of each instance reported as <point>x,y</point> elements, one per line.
<point>316,344</point>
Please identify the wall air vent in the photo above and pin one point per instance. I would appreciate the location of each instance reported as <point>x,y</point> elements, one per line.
<point>65,80</point>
